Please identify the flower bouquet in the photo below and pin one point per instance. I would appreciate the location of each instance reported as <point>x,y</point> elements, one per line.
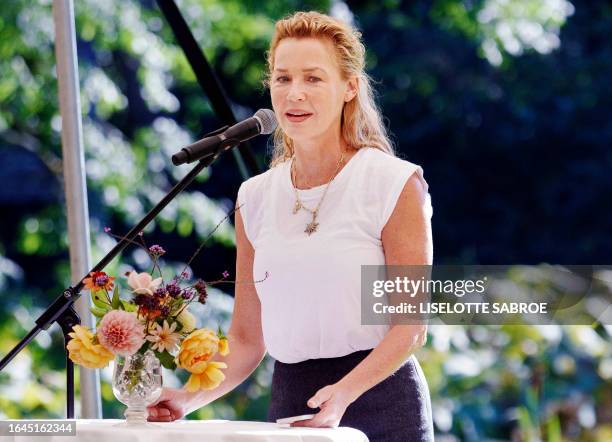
<point>153,327</point>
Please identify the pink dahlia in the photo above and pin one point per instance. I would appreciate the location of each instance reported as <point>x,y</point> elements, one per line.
<point>121,332</point>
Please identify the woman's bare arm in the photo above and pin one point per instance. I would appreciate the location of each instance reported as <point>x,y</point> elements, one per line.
<point>245,338</point>
<point>407,240</point>
<point>245,335</point>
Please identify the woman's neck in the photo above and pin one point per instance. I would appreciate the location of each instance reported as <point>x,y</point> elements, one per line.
<point>316,162</point>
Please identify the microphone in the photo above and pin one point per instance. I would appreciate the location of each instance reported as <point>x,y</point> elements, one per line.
<point>263,122</point>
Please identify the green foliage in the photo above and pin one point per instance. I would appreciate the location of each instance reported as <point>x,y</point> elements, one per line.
<point>478,70</point>
<point>98,312</point>
<point>116,302</point>
<point>166,359</point>
<point>130,129</point>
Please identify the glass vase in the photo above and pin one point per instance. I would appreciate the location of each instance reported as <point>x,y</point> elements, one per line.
<point>137,382</point>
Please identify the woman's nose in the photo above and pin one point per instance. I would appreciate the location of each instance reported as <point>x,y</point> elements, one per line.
<point>296,93</point>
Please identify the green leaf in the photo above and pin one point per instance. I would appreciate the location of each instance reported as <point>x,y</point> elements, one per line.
<point>526,425</point>
<point>166,359</point>
<point>116,302</point>
<point>553,427</point>
<point>143,349</point>
<point>179,326</point>
<point>128,306</point>
<point>220,333</point>
<point>97,312</point>
<point>98,300</point>
<point>531,400</point>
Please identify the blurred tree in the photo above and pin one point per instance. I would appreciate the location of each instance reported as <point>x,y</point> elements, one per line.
<point>140,105</point>
<point>494,98</point>
<point>506,105</point>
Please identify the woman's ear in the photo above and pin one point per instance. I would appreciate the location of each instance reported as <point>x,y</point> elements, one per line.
<point>351,89</point>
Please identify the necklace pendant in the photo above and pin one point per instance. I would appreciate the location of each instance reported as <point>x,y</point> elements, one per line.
<point>311,227</point>
<point>297,207</point>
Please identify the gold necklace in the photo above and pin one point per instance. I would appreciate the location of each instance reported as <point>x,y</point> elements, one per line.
<point>311,227</point>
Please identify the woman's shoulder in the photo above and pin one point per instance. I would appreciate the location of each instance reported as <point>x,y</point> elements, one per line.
<point>387,176</point>
<point>261,180</point>
<point>384,163</point>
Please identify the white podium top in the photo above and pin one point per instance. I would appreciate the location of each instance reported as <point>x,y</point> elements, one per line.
<point>102,430</point>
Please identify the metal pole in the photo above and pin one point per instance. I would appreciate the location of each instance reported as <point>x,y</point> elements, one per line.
<point>75,189</point>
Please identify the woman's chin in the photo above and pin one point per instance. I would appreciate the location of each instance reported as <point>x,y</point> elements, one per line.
<point>297,132</point>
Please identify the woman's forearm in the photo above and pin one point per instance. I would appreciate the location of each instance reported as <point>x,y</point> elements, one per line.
<point>242,360</point>
<point>395,348</point>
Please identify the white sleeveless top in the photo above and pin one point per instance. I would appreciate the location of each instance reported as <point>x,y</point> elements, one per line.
<point>311,300</point>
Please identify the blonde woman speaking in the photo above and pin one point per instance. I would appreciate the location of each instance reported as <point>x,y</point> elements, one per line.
<point>335,197</point>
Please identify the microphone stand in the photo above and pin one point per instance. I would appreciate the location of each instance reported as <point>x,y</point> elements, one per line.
<point>62,310</point>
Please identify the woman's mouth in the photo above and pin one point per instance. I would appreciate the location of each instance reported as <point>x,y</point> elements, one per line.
<point>297,117</point>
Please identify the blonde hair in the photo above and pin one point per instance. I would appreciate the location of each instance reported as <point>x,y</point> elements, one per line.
<point>361,124</point>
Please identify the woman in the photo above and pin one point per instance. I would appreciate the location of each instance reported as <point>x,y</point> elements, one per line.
<point>335,198</point>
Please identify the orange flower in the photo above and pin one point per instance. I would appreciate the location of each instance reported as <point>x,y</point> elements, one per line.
<point>99,281</point>
<point>149,314</point>
<point>223,346</point>
<point>197,349</point>
<point>209,379</point>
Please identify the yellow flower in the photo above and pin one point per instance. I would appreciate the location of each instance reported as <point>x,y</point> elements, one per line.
<point>197,349</point>
<point>223,347</point>
<point>194,356</point>
<point>83,351</point>
<point>209,379</point>
<point>187,320</point>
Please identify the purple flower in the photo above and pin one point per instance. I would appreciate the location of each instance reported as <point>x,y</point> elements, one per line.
<point>156,250</point>
<point>173,289</point>
<point>165,310</point>
<point>187,293</point>
<point>184,275</point>
<point>101,280</point>
<point>226,274</point>
<point>160,292</point>
<point>145,301</point>
<point>200,286</point>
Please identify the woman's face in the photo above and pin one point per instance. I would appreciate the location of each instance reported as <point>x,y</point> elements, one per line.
<point>306,80</point>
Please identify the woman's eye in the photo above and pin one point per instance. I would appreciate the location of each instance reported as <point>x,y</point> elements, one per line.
<point>284,79</point>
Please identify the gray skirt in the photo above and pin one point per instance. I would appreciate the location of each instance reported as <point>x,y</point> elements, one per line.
<point>397,409</point>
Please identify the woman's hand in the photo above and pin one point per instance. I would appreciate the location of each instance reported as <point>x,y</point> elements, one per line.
<point>173,404</point>
<point>333,400</point>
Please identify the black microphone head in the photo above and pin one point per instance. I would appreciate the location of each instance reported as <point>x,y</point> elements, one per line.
<point>180,157</point>
<point>267,121</point>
